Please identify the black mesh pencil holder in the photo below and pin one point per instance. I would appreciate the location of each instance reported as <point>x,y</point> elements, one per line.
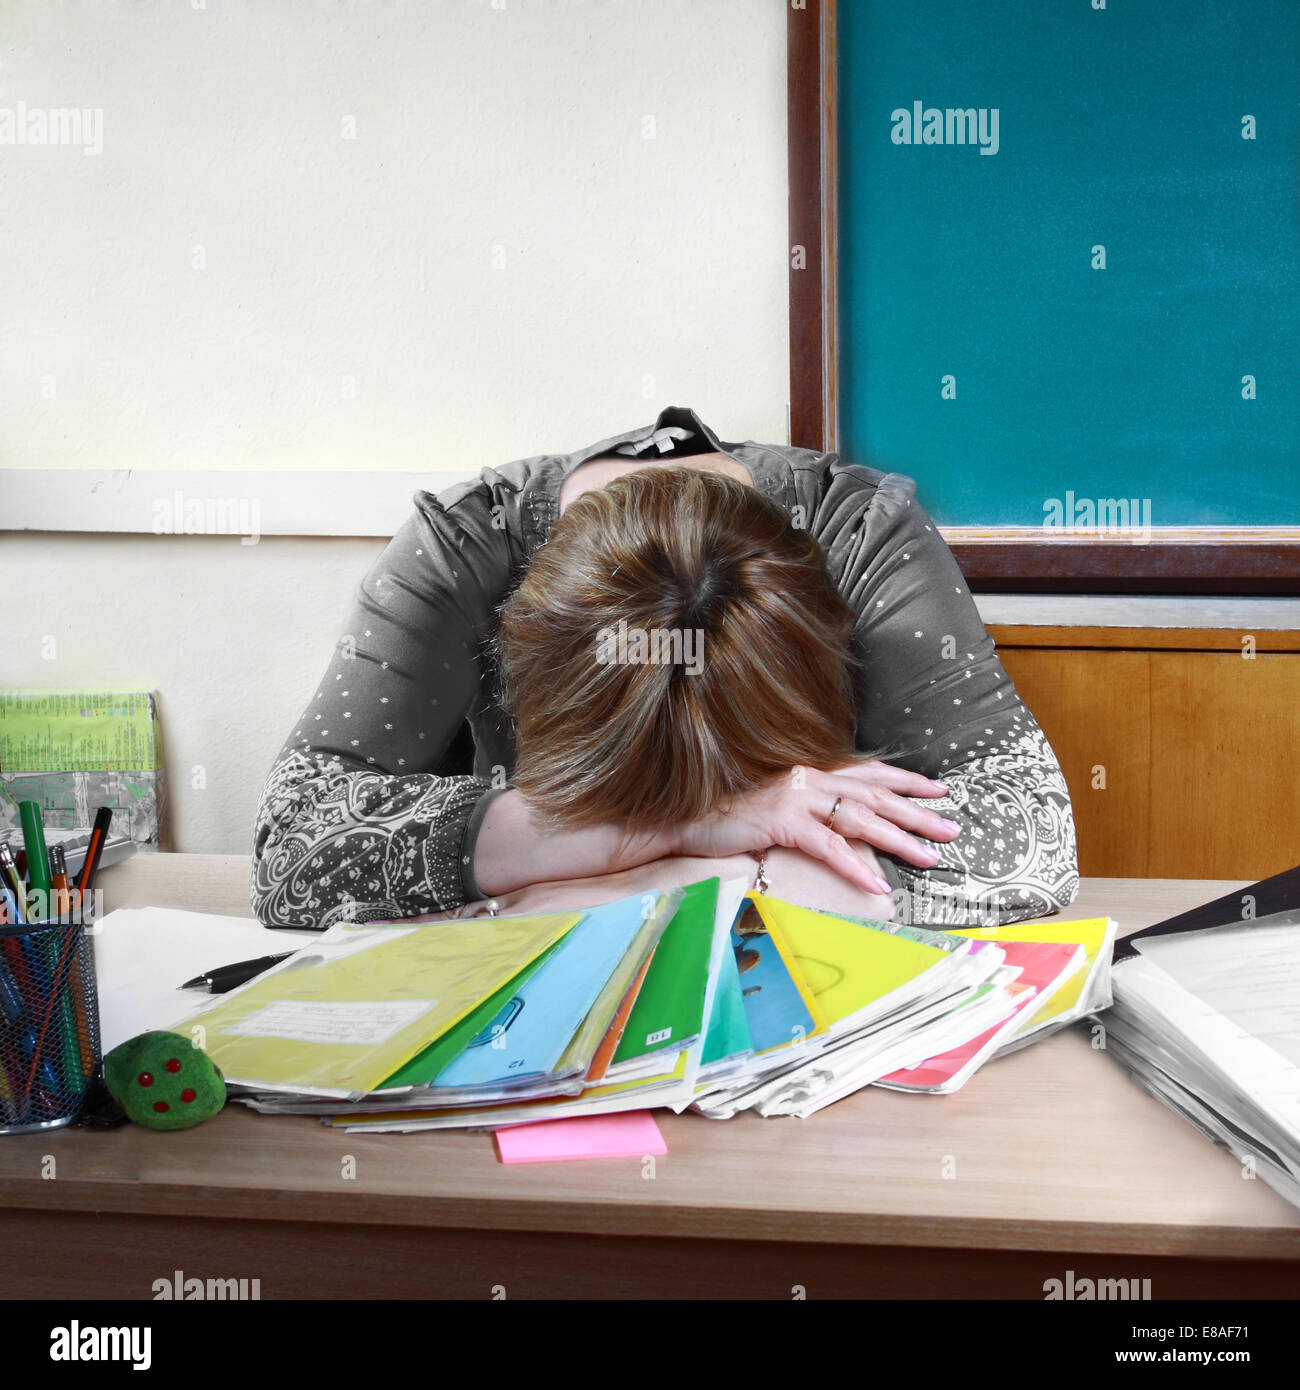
<point>49,1024</point>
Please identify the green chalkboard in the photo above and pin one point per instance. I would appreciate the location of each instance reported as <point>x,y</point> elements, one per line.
<point>1106,303</point>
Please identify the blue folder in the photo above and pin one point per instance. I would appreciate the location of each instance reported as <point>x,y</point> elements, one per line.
<point>528,1036</point>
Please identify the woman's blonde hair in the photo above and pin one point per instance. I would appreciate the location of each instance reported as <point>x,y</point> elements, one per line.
<point>742,671</point>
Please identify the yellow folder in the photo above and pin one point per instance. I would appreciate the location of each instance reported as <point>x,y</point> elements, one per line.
<point>345,1022</point>
<point>844,965</point>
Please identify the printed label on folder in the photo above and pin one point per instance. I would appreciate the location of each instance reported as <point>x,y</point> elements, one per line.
<point>661,1036</point>
<point>358,1022</point>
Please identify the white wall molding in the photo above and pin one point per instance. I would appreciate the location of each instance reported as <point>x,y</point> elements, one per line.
<point>220,502</point>
<point>1139,610</point>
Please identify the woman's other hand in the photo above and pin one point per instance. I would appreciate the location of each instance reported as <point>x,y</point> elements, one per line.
<point>795,878</point>
<point>876,807</point>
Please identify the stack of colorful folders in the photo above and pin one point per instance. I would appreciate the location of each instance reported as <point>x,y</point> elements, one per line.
<point>836,1003</point>
<point>705,996</point>
<point>483,1021</point>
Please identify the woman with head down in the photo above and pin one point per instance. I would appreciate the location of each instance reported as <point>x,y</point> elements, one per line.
<point>674,657</point>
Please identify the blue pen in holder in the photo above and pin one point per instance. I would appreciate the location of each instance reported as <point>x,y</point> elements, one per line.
<point>49,1024</point>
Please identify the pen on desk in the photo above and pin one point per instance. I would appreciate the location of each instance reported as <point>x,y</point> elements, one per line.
<point>38,868</point>
<point>227,977</point>
<point>9,868</point>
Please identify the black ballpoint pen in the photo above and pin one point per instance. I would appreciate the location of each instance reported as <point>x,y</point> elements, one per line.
<point>227,977</point>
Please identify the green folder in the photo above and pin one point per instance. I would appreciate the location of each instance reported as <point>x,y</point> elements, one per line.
<point>669,1010</point>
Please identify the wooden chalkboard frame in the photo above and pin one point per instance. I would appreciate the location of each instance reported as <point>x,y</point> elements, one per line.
<point>1246,560</point>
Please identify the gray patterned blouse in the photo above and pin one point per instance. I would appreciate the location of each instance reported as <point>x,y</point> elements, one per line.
<point>355,820</point>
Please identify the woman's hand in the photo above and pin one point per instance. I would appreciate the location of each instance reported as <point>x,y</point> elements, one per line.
<point>791,812</point>
<point>795,878</point>
<point>877,808</point>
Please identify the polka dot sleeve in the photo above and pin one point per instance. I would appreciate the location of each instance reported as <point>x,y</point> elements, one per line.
<point>934,698</point>
<point>353,822</point>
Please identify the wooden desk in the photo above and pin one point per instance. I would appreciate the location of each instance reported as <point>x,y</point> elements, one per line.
<point>1049,1160</point>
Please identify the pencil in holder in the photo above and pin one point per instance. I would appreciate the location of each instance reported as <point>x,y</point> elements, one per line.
<point>49,1024</point>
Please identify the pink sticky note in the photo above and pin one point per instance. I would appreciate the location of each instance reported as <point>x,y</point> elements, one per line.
<point>630,1134</point>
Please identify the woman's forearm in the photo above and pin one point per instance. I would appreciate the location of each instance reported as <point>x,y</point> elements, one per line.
<point>513,850</point>
<point>794,876</point>
<point>566,895</point>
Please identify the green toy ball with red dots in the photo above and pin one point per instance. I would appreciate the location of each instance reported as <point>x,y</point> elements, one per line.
<point>163,1081</point>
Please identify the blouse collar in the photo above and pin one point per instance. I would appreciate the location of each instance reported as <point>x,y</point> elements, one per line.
<point>541,495</point>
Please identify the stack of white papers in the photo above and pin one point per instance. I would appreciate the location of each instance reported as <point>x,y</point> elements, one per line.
<point>1209,1022</point>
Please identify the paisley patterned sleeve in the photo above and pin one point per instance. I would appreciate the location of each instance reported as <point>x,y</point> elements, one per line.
<point>353,822</point>
<point>935,699</point>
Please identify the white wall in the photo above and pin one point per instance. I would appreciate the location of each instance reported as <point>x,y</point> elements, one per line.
<point>501,263</point>
<point>233,638</point>
<point>551,219</point>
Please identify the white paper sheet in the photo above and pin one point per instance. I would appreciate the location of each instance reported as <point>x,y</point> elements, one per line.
<point>1248,973</point>
<point>143,955</point>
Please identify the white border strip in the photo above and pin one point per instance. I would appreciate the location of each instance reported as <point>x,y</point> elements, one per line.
<point>314,502</point>
<point>1248,614</point>
<point>227,502</point>
<point>348,503</point>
